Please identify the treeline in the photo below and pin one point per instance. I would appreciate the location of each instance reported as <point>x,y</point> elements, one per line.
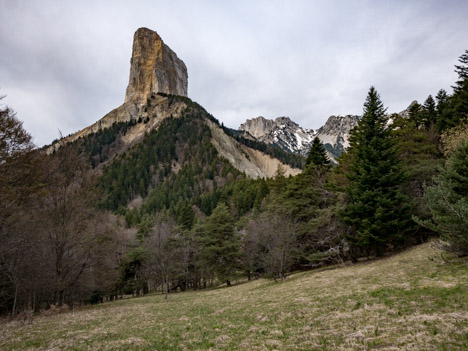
<point>184,218</point>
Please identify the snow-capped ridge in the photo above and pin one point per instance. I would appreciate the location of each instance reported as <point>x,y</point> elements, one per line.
<point>281,131</point>
<point>291,137</point>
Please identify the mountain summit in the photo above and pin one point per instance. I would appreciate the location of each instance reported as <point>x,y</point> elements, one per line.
<point>281,132</point>
<point>154,68</point>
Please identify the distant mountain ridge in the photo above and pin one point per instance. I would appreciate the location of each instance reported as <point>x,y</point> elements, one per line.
<point>289,136</point>
<point>282,132</point>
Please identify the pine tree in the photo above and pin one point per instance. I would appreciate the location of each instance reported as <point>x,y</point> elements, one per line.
<point>415,114</point>
<point>429,112</point>
<point>459,99</point>
<point>279,181</point>
<point>220,245</point>
<point>462,71</point>
<point>453,109</point>
<point>377,209</point>
<point>186,215</point>
<point>421,157</point>
<point>442,100</point>
<point>442,109</point>
<point>317,154</point>
<point>447,200</point>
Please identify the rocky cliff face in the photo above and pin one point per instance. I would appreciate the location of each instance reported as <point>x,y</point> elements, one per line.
<point>282,132</point>
<point>154,68</point>
<point>335,133</point>
<point>254,163</point>
<point>258,127</point>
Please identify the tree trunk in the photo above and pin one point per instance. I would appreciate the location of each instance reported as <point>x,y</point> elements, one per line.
<point>13,310</point>
<point>34,300</point>
<point>167,286</point>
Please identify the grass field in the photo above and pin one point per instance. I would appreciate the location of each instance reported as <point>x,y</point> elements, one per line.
<point>411,301</point>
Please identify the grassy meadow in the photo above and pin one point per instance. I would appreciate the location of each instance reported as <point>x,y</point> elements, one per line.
<point>412,301</point>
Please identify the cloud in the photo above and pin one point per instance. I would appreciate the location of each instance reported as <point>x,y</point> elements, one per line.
<point>65,64</point>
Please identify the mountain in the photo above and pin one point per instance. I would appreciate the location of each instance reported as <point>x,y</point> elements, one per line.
<point>157,75</point>
<point>281,132</point>
<point>290,137</point>
<point>157,91</point>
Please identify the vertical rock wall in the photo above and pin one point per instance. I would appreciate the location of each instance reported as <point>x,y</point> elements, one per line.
<point>154,68</point>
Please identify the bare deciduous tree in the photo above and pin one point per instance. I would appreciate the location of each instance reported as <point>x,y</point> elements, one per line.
<point>159,258</point>
<point>275,238</point>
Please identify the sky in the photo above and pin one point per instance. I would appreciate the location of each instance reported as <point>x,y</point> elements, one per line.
<point>64,64</point>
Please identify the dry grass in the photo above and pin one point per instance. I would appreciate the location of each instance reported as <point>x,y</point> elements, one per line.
<point>412,301</point>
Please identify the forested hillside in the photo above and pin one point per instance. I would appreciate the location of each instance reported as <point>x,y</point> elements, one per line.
<point>99,219</point>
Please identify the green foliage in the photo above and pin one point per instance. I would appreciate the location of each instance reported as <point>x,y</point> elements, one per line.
<point>131,279</point>
<point>186,215</point>
<point>377,209</point>
<point>454,109</point>
<point>220,245</point>
<point>430,113</point>
<point>423,116</point>
<point>459,100</point>
<point>420,158</point>
<point>443,103</point>
<point>447,200</point>
<point>303,195</point>
<point>415,114</point>
<point>317,154</point>
<point>242,196</point>
<point>97,146</point>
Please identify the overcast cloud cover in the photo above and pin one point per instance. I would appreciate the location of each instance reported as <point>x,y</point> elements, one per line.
<point>65,64</point>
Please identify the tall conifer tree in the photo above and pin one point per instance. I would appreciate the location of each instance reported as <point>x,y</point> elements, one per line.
<point>377,210</point>
<point>430,113</point>
<point>460,91</point>
<point>220,244</point>
<point>453,109</point>
<point>317,154</point>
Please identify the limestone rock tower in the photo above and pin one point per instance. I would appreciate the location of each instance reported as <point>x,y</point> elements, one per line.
<point>154,68</point>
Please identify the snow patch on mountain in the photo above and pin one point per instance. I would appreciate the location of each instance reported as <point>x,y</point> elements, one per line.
<point>281,132</point>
